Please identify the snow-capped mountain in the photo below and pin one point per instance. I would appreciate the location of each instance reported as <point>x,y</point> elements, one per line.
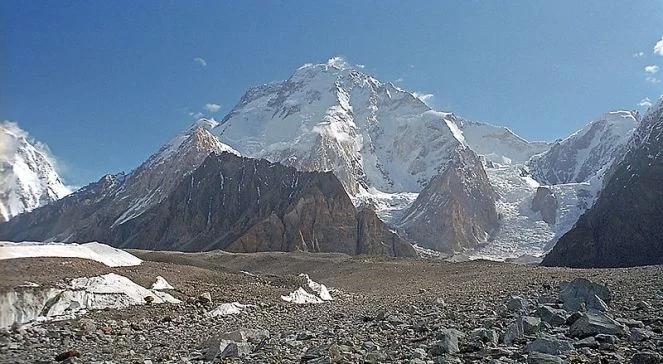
<point>115,200</point>
<point>383,143</point>
<point>587,152</point>
<point>376,137</point>
<point>28,178</point>
<point>499,144</point>
<point>175,201</point>
<point>625,225</point>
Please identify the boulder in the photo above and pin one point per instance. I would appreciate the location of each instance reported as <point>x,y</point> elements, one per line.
<point>594,323</point>
<point>583,293</point>
<point>545,203</point>
<point>447,342</point>
<point>552,316</point>
<point>646,357</point>
<point>541,358</point>
<point>530,325</point>
<point>516,304</point>
<point>548,345</point>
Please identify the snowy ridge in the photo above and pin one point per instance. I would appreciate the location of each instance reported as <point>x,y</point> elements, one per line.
<point>148,184</point>
<point>582,155</point>
<point>28,178</point>
<point>376,138</point>
<point>499,144</point>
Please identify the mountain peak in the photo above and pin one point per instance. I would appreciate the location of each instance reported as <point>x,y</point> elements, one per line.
<point>28,177</point>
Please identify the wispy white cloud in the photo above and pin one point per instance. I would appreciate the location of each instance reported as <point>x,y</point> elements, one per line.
<point>212,107</point>
<point>426,98</point>
<point>645,103</point>
<point>399,80</point>
<point>639,54</point>
<point>651,69</point>
<point>658,48</point>
<point>360,66</point>
<point>652,79</point>
<point>196,115</point>
<point>200,61</point>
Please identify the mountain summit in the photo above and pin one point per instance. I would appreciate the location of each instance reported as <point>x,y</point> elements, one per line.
<point>28,178</point>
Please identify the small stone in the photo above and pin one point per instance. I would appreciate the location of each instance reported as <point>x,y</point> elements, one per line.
<point>516,304</point>
<point>548,346</point>
<point>643,306</point>
<point>588,342</point>
<point>67,355</point>
<point>639,334</point>
<point>552,316</point>
<point>205,298</point>
<point>605,338</point>
<point>513,332</point>
<point>148,299</point>
<point>447,342</point>
<point>541,358</point>
<point>646,357</point>
<point>530,325</point>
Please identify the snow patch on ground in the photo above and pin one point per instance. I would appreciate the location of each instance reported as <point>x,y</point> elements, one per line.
<point>82,294</point>
<point>161,283</point>
<point>231,308</point>
<point>318,288</point>
<point>102,253</point>
<point>301,296</point>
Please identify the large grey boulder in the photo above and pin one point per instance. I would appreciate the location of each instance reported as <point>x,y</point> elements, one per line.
<point>447,342</point>
<point>593,323</point>
<point>541,358</point>
<point>583,293</point>
<point>552,316</point>
<point>548,345</point>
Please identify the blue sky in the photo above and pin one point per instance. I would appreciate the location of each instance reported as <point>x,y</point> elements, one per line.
<point>105,83</point>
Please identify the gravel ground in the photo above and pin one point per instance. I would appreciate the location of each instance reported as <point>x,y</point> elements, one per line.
<point>384,310</point>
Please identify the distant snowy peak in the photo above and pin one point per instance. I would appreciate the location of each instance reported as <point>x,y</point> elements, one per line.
<point>499,144</point>
<point>587,152</point>
<point>332,117</point>
<point>28,178</point>
<point>148,184</point>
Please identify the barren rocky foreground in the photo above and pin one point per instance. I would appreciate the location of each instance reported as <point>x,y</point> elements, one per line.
<point>384,310</point>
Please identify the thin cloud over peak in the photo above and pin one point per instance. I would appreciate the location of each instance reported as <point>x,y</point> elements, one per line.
<point>658,48</point>
<point>212,107</point>
<point>645,103</point>
<point>651,69</point>
<point>200,61</point>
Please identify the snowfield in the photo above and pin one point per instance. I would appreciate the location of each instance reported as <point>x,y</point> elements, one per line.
<point>522,231</point>
<point>101,253</point>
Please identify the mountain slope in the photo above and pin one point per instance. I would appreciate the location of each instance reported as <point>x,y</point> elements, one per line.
<point>115,200</point>
<point>499,144</point>
<point>624,227</point>
<point>587,152</point>
<point>28,178</point>
<point>331,117</point>
<point>456,210</point>
<point>226,202</point>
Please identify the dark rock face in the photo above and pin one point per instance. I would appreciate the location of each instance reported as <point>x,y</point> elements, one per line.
<point>236,204</point>
<point>546,204</point>
<point>456,210</point>
<point>625,225</point>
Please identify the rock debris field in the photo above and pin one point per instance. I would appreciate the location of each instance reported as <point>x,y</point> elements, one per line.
<point>233,309</point>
